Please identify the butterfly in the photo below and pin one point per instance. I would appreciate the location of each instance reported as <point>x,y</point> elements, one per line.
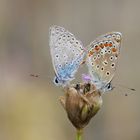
<point>102,59</point>
<point>67,54</point>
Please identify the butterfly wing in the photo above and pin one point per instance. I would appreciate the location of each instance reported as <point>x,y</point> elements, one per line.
<point>102,58</point>
<point>67,53</point>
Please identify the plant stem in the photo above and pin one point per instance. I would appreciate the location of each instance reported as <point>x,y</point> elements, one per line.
<point>79,134</point>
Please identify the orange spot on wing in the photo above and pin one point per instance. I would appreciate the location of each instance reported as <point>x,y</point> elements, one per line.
<point>114,49</point>
<point>110,44</point>
<point>97,48</point>
<point>90,53</point>
<point>102,46</point>
<point>106,44</point>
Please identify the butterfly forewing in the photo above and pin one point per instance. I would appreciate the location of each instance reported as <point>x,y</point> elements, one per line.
<point>102,57</point>
<point>67,53</point>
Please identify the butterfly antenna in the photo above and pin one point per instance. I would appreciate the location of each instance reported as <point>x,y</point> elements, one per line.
<point>34,75</point>
<point>125,87</point>
<point>39,76</point>
<point>132,89</point>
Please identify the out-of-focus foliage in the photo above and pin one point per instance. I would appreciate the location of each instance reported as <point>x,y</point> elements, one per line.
<point>29,107</point>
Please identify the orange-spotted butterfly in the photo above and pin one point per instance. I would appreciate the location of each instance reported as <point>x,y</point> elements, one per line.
<point>102,58</point>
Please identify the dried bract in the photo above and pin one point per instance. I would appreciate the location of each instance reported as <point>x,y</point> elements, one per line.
<point>81,102</point>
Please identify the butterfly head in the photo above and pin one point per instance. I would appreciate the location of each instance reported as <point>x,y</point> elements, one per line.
<point>57,82</point>
<point>107,88</point>
<point>103,87</point>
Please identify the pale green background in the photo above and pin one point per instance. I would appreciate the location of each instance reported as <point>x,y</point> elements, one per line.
<point>29,107</point>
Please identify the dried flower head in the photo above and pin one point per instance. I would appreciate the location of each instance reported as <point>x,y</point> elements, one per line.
<point>81,102</point>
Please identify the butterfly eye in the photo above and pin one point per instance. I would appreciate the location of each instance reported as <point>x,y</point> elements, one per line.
<point>77,87</point>
<point>109,86</point>
<point>56,81</point>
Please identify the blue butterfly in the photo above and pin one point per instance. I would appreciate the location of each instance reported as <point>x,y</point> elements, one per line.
<point>67,54</point>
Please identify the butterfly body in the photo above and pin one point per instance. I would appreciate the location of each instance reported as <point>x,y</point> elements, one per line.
<point>102,58</point>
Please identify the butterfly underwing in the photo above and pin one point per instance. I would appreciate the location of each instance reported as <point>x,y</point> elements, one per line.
<point>67,54</point>
<point>102,59</point>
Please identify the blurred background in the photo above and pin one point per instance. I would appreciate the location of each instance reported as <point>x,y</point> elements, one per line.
<point>29,107</point>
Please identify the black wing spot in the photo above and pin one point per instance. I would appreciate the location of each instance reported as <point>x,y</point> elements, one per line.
<point>56,81</point>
